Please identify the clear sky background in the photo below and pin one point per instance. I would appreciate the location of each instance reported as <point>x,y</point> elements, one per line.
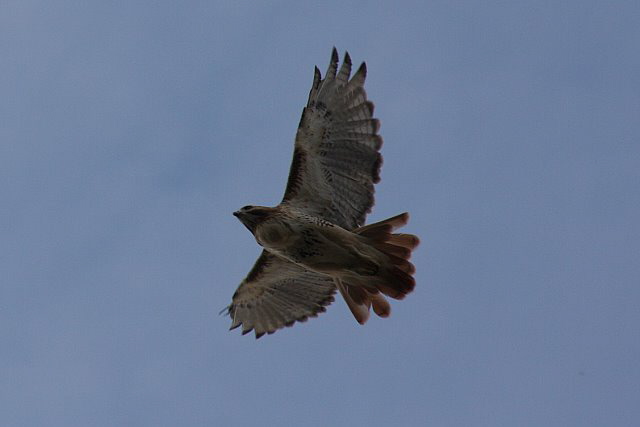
<point>129,132</point>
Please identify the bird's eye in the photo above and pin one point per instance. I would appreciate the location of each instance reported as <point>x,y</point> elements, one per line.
<point>248,207</point>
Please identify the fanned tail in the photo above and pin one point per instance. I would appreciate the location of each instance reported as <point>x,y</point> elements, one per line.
<point>398,276</point>
<point>394,279</point>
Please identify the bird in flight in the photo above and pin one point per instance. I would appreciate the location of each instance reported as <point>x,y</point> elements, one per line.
<point>315,240</point>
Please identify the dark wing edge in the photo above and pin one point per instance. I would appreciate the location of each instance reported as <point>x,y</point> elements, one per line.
<point>277,293</point>
<point>336,159</point>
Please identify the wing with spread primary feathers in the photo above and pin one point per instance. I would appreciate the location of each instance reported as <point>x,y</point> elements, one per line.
<point>277,293</point>
<point>336,160</point>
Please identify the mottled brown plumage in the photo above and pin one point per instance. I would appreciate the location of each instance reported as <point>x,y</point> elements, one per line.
<point>315,240</point>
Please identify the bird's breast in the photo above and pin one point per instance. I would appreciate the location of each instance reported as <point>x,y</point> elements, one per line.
<point>274,235</point>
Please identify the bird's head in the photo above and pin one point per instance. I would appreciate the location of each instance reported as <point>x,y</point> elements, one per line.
<point>251,216</point>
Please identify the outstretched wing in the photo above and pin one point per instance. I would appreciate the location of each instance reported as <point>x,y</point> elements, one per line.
<point>336,160</point>
<point>276,293</point>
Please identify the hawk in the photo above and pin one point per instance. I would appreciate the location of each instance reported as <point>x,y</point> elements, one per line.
<point>315,240</point>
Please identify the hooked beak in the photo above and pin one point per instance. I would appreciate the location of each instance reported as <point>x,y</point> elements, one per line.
<point>245,219</point>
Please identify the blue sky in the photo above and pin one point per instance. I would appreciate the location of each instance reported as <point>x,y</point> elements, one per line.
<point>131,130</point>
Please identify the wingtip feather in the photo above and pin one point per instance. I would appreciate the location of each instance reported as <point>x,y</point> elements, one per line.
<point>334,55</point>
<point>347,58</point>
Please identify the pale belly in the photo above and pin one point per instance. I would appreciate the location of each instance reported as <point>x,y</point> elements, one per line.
<point>331,251</point>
